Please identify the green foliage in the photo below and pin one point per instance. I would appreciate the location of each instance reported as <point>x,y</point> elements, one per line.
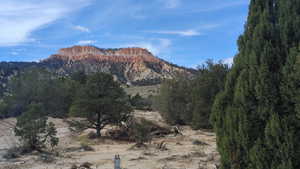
<point>207,84</point>
<point>51,132</point>
<point>173,101</point>
<point>101,101</point>
<point>255,118</point>
<point>189,101</point>
<point>33,130</point>
<point>39,86</point>
<point>140,103</point>
<point>141,131</point>
<point>8,70</point>
<point>3,108</point>
<point>79,77</point>
<point>77,126</point>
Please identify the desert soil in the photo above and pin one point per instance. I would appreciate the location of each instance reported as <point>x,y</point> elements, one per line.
<point>181,151</point>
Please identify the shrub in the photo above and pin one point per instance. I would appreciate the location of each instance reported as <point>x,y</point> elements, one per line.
<point>34,131</point>
<point>86,147</point>
<point>92,135</point>
<point>140,131</point>
<point>140,103</point>
<point>12,153</point>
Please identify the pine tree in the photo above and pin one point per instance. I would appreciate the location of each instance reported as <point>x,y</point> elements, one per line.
<point>101,101</point>
<point>256,116</point>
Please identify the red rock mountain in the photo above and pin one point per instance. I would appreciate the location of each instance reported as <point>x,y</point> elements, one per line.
<point>136,66</point>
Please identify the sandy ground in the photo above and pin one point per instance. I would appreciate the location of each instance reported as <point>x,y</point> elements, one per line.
<point>181,153</point>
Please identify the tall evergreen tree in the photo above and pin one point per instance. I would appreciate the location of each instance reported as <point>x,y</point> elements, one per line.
<point>256,116</point>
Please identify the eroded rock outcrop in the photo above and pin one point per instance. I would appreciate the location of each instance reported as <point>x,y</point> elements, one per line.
<point>135,66</point>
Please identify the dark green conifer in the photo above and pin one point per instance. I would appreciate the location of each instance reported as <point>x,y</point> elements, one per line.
<point>256,116</point>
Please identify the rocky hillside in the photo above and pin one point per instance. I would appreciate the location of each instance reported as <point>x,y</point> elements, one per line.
<point>9,69</point>
<point>134,66</point>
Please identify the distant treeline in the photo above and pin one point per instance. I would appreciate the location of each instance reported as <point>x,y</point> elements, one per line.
<point>55,93</point>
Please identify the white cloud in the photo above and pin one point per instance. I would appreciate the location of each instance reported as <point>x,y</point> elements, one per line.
<point>86,42</point>
<point>189,32</point>
<point>196,31</point>
<point>155,46</point>
<point>18,19</point>
<point>81,28</point>
<point>228,61</point>
<point>172,3</point>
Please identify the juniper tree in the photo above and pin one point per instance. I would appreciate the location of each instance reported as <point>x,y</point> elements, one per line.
<point>256,116</point>
<point>174,101</point>
<point>101,101</point>
<point>189,100</point>
<point>33,129</point>
<point>206,85</point>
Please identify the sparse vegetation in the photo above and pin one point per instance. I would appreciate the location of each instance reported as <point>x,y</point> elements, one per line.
<point>253,106</point>
<point>13,152</point>
<point>77,126</point>
<point>141,131</point>
<point>140,103</point>
<point>198,143</point>
<point>86,147</point>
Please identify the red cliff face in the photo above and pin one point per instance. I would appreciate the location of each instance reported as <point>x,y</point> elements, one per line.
<point>128,65</point>
<point>133,55</point>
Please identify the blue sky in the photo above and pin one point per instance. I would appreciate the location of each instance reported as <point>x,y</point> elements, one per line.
<point>185,32</point>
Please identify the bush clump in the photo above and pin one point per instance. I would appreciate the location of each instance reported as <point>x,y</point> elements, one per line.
<point>34,131</point>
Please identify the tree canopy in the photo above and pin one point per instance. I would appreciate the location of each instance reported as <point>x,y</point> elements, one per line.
<point>39,86</point>
<point>101,101</point>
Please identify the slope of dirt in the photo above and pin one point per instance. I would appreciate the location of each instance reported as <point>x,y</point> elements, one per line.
<point>192,150</point>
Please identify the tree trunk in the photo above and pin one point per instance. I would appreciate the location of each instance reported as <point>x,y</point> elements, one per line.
<point>98,126</point>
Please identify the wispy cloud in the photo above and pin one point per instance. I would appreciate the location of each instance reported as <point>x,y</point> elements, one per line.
<point>81,28</point>
<point>172,3</point>
<point>155,46</point>
<point>189,32</point>
<point>18,19</point>
<point>86,42</point>
<point>197,31</point>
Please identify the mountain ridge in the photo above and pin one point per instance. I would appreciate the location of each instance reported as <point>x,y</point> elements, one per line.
<point>131,66</point>
<point>134,66</point>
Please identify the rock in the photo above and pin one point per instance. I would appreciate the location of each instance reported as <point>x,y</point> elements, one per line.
<point>136,66</point>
